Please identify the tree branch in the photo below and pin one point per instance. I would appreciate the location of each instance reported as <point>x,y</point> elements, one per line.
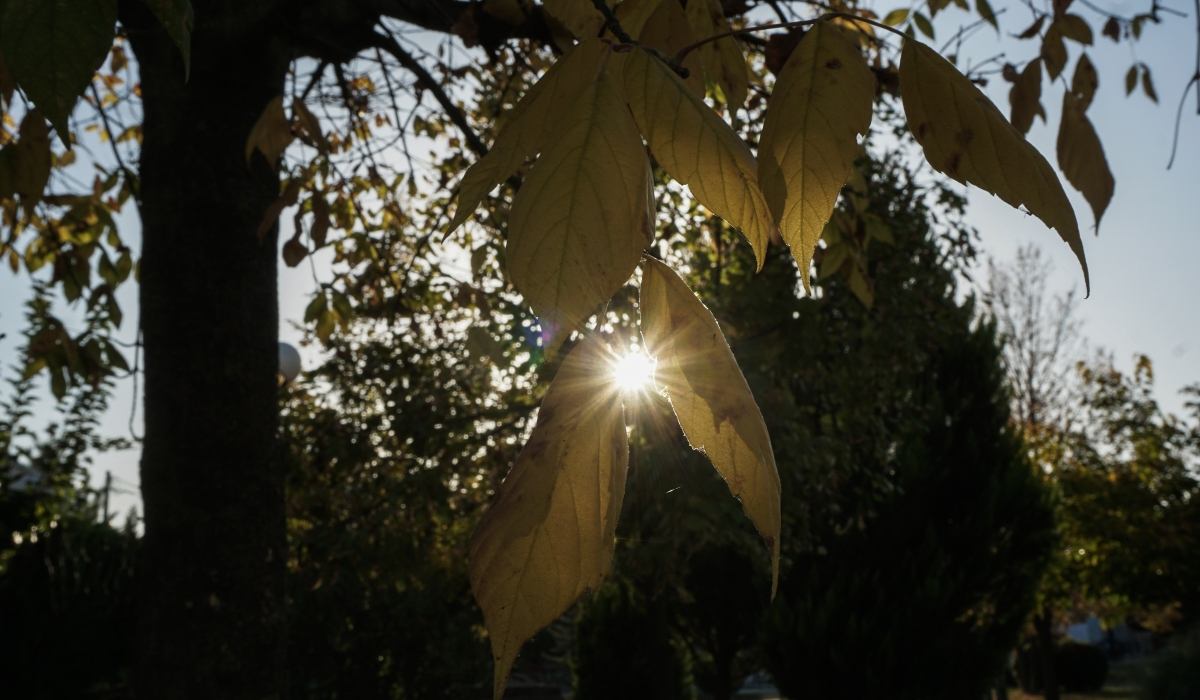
<point>388,43</point>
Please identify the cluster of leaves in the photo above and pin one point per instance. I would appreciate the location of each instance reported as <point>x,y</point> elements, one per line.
<point>645,73</point>
<point>66,574</point>
<point>1129,494</point>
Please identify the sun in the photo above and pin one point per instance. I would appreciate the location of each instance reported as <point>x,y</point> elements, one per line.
<point>633,370</point>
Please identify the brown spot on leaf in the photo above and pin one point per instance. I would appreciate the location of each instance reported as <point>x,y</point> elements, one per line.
<point>964,137</point>
<point>921,130</point>
<point>952,164</point>
<point>833,64</point>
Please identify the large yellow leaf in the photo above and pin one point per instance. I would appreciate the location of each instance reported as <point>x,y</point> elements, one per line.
<point>723,59</point>
<point>1081,157</point>
<point>711,398</point>
<point>966,137</point>
<point>820,104</point>
<point>581,220</point>
<point>632,15</point>
<point>548,537</point>
<point>580,17</point>
<point>697,147</point>
<point>667,30</point>
<point>531,124</point>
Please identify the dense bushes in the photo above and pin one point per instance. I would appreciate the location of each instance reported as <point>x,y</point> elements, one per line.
<point>1175,673</point>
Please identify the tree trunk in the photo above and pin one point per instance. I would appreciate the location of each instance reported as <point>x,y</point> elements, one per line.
<point>211,573</point>
<point>1043,623</point>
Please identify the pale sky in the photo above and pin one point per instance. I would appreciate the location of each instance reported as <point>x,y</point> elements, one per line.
<point>1145,294</point>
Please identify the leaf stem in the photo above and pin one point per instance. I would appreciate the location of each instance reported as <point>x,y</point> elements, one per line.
<point>784,25</point>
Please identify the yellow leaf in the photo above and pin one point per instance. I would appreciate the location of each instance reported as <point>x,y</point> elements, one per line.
<point>711,398</point>
<point>271,133</point>
<point>697,147</point>
<point>580,221</point>
<point>531,123</point>
<point>966,137</point>
<point>580,17</point>
<point>667,30</point>
<point>632,15</point>
<point>1085,82</point>
<point>723,60</point>
<point>548,536</point>
<point>309,124</point>
<point>1025,97</point>
<point>1081,157</point>
<point>821,103</point>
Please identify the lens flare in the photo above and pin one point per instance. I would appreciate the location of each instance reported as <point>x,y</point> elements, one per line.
<point>633,371</point>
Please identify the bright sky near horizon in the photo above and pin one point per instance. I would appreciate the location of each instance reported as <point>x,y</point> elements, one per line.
<point>1145,294</point>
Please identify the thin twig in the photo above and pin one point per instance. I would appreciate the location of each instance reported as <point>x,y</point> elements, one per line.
<point>1179,117</point>
<point>134,185</point>
<point>787,25</point>
<point>388,43</point>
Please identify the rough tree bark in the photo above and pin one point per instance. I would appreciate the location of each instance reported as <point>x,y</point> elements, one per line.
<point>211,572</point>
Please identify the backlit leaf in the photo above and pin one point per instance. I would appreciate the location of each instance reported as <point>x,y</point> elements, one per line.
<point>548,537</point>
<point>897,16</point>
<point>966,137</point>
<point>711,398</point>
<point>1026,95</point>
<point>53,48</point>
<point>1085,82</point>
<point>530,125</point>
<point>272,133</point>
<point>697,147</point>
<point>1081,157</point>
<point>580,221</point>
<point>177,18</point>
<point>821,103</point>
<point>580,17</point>
<point>667,30</point>
<point>723,59</point>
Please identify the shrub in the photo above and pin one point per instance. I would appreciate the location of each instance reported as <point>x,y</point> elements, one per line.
<point>1175,673</point>
<point>1080,667</point>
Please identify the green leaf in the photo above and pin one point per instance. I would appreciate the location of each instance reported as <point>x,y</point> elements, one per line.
<point>984,8</point>
<point>896,17</point>
<point>966,137</point>
<point>697,147</point>
<point>1131,80</point>
<point>711,398</point>
<point>548,537</point>
<point>923,24</point>
<point>53,48</point>
<point>177,18</point>
<point>581,220</point>
<point>821,103</point>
